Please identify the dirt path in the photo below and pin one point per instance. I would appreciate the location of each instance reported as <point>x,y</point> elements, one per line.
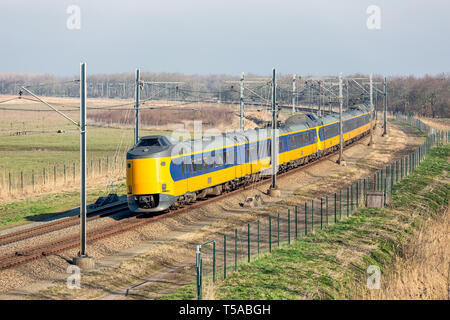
<point>153,259</point>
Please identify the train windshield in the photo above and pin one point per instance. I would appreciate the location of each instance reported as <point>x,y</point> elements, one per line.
<point>151,142</point>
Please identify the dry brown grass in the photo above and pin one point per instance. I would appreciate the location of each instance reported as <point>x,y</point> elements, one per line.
<point>24,188</point>
<point>209,291</point>
<point>421,270</point>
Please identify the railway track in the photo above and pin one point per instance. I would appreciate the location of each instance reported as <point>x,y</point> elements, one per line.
<point>59,224</point>
<point>19,257</point>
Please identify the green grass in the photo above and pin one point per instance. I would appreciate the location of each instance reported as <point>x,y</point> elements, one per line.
<point>41,207</point>
<point>34,152</point>
<point>332,264</point>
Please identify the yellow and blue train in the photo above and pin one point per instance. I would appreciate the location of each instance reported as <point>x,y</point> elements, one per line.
<point>163,173</point>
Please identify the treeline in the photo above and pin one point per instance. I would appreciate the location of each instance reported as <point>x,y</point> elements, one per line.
<point>426,96</point>
<point>210,116</point>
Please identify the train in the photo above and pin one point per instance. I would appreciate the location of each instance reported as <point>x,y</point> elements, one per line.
<point>164,173</point>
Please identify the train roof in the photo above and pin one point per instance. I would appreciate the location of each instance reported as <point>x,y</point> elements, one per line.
<point>301,121</point>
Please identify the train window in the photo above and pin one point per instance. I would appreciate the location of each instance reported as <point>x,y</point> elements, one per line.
<point>224,156</point>
<point>194,167</point>
<point>219,160</point>
<point>263,149</point>
<point>205,161</point>
<point>230,157</point>
<point>247,153</point>
<point>149,142</point>
<point>182,168</point>
<point>253,152</point>
<point>211,161</point>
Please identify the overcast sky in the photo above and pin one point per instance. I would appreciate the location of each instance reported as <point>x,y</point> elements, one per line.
<point>314,37</point>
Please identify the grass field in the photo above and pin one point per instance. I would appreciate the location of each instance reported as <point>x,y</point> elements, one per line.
<point>332,264</point>
<point>30,147</point>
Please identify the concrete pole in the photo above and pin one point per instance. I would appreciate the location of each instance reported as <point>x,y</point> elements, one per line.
<point>274,132</point>
<point>372,108</point>
<point>329,101</point>
<point>385,106</point>
<point>310,95</point>
<point>376,101</point>
<point>346,86</point>
<point>136,108</point>
<point>294,93</point>
<point>241,99</point>
<point>320,100</point>
<point>83,209</point>
<point>341,129</point>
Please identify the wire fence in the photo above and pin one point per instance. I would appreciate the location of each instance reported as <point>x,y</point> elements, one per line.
<point>22,182</point>
<point>246,243</point>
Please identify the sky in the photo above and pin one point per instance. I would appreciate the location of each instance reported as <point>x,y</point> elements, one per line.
<point>314,37</point>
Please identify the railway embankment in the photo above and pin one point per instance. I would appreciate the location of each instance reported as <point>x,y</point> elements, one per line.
<point>338,261</point>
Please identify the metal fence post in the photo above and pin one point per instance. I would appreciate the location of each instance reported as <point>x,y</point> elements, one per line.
<point>289,226</point>
<point>306,218</point>
<point>321,213</point>
<point>235,249</point>
<point>357,193</point>
<point>312,215</point>
<point>278,229</point>
<point>335,207</point>
<point>270,234</point>
<point>326,197</point>
<point>224,256</point>
<point>401,168</point>
<point>258,236</point>
<point>248,251</point>
<point>214,261</point>
<point>392,174</point>
<point>198,272</point>
<point>364,189</point>
<point>351,200</point>
<point>296,222</point>
<point>348,194</point>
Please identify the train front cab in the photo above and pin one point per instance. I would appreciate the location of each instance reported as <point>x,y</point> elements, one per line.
<point>148,189</point>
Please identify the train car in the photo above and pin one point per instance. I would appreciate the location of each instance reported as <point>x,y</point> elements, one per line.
<point>163,173</point>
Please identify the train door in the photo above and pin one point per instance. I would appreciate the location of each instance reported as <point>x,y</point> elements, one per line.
<point>185,164</point>
<point>239,156</point>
